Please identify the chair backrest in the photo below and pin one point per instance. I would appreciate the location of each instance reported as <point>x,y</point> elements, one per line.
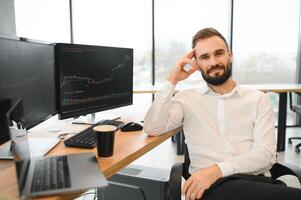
<point>185,170</point>
<point>295,108</point>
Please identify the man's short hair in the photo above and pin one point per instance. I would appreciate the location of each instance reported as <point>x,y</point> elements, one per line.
<point>207,33</point>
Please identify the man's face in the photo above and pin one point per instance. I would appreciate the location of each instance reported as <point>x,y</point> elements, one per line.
<point>213,59</point>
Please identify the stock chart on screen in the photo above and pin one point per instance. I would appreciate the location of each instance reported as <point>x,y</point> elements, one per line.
<point>93,78</point>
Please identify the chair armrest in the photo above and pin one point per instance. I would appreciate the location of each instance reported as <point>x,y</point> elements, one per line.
<point>285,169</point>
<point>174,183</point>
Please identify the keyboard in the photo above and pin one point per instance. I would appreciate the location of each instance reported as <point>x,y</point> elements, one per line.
<point>86,138</point>
<point>51,173</point>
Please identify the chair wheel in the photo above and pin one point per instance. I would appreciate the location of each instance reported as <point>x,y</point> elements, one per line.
<point>297,150</point>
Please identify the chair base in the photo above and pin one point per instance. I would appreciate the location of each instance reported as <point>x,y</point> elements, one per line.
<point>290,140</point>
<point>298,146</point>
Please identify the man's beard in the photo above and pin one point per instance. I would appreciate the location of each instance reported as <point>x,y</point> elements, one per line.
<point>219,79</point>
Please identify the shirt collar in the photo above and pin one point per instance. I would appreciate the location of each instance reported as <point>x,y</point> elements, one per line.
<point>205,89</point>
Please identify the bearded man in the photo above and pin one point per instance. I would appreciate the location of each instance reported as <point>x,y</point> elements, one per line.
<point>229,129</point>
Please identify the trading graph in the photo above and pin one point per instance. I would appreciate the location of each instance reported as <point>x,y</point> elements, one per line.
<point>92,81</point>
<point>32,78</point>
<point>74,101</point>
<point>92,78</point>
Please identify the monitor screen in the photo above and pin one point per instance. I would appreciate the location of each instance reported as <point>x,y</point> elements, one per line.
<point>93,78</point>
<point>28,72</point>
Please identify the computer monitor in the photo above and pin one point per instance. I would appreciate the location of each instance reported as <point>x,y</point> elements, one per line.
<point>28,72</point>
<point>92,78</point>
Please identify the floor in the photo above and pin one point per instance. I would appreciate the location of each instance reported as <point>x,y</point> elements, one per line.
<point>164,156</point>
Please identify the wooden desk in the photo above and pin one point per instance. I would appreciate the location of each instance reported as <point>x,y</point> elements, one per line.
<point>128,147</point>
<point>281,89</point>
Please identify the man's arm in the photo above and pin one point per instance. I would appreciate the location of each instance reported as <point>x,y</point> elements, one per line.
<point>261,156</point>
<point>256,161</point>
<point>165,113</point>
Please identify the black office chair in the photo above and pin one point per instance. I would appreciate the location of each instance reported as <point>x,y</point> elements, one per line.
<point>118,190</point>
<point>179,139</point>
<point>181,169</point>
<point>297,109</point>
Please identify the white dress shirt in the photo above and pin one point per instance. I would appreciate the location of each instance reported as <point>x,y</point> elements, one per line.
<point>235,130</point>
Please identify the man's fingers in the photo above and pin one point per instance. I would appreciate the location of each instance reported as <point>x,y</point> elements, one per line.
<point>193,63</point>
<point>190,54</point>
<point>193,196</point>
<point>191,193</point>
<point>192,70</point>
<point>186,185</point>
<point>185,61</point>
<point>189,66</point>
<point>180,71</point>
<point>200,193</point>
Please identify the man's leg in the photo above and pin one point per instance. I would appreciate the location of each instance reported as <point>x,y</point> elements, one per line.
<point>241,189</point>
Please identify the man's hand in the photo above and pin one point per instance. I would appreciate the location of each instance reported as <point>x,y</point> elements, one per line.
<point>178,73</point>
<point>200,181</point>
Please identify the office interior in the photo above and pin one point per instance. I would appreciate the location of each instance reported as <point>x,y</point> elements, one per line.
<point>264,36</point>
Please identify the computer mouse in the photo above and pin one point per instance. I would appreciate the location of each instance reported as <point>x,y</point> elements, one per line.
<point>132,126</point>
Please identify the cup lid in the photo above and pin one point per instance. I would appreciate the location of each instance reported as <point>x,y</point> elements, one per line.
<point>104,128</point>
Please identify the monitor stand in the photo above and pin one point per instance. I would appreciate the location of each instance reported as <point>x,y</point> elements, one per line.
<point>92,118</point>
<point>87,119</point>
<point>54,129</point>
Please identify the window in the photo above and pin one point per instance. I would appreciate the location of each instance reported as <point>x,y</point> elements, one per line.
<point>117,23</point>
<point>46,20</point>
<point>265,42</point>
<point>176,22</point>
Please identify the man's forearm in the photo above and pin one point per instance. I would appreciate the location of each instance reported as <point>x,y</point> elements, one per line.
<point>256,161</point>
<point>157,119</point>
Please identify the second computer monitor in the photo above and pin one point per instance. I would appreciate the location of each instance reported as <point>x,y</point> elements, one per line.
<point>92,78</point>
<point>27,71</point>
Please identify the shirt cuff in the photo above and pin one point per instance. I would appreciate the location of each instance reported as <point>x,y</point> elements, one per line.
<point>168,85</point>
<point>166,91</point>
<point>226,168</point>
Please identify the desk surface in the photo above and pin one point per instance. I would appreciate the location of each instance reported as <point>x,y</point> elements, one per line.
<point>277,88</point>
<point>128,147</point>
